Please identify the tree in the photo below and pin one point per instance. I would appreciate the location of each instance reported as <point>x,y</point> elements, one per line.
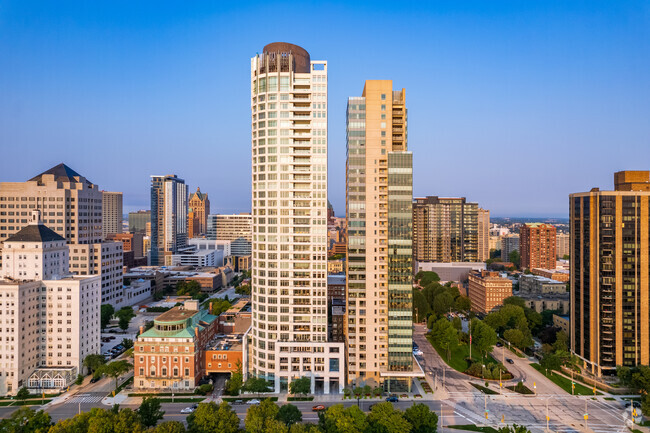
<point>420,305</point>
<point>337,419</point>
<point>124,315</point>
<point>219,306</point>
<point>484,337</point>
<point>514,258</point>
<point>383,418</point>
<point>235,383</point>
<point>561,340</point>
<point>115,369</point>
<point>188,288</point>
<point>93,361</point>
<point>457,323</point>
<point>551,361</point>
<point>289,414</point>
<point>80,379</point>
<point>515,337</point>
<point>126,421</point>
<point>514,429</point>
<point>256,385</point>
<point>425,278</point>
<point>149,411</point>
<point>449,339</point>
<point>304,428</point>
<point>127,343</point>
<point>261,417</point>
<point>300,386</point>
<point>442,303</point>
<point>22,394</point>
<point>422,419</point>
<point>463,303</point>
<point>210,417</point>
<point>170,427</point>
<point>106,313</point>
<point>26,420</point>
<point>515,300</point>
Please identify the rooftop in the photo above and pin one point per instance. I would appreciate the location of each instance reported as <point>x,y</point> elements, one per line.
<point>35,233</point>
<point>62,173</point>
<point>223,342</point>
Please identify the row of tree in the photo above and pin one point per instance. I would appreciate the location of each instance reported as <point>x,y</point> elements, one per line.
<point>124,316</point>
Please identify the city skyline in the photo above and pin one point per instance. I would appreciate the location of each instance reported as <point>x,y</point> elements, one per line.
<point>486,101</point>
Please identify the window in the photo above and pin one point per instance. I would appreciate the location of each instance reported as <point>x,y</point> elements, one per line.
<point>383,98</point>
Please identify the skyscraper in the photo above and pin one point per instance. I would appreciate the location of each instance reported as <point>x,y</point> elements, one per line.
<point>138,221</point>
<point>537,246</point>
<point>483,234</point>
<point>379,219</point>
<point>168,217</point>
<point>111,213</point>
<point>610,274</point>
<point>229,227</point>
<point>197,217</point>
<point>445,229</point>
<point>289,230</point>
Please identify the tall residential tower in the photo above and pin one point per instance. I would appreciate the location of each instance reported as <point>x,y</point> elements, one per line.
<point>289,230</point>
<point>379,180</point>
<point>168,218</point>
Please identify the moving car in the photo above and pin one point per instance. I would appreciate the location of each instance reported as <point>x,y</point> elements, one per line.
<point>318,408</point>
<point>392,399</point>
<point>510,361</point>
<point>189,409</point>
<point>417,352</point>
<point>253,401</point>
<point>238,402</point>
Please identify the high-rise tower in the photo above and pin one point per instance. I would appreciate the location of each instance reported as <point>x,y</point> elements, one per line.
<point>379,219</point>
<point>610,274</point>
<point>168,217</point>
<point>289,229</point>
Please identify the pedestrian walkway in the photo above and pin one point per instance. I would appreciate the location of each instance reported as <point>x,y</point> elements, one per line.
<point>85,398</point>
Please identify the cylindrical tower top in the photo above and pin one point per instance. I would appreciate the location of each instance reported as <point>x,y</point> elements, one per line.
<point>300,55</point>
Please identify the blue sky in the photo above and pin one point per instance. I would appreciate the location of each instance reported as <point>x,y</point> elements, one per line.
<point>514,104</point>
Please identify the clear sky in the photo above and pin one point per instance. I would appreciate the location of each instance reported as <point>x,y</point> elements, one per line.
<point>514,104</point>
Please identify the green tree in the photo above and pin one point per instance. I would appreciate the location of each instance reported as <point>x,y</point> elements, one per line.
<point>484,337</point>
<point>515,300</point>
<point>425,278</point>
<point>449,340</point>
<point>127,421</point>
<point>514,258</point>
<point>170,427</point>
<point>420,305</point>
<point>236,381</point>
<point>289,414</point>
<point>210,417</point>
<point>304,428</point>
<point>457,323</point>
<point>561,340</point>
<point>300,386</point>
<point>551,361</point>
<point>115,369</point>
<point>463,304</point>
<point>149,411</point>
<point>80,379</point>
<point>219,306</point>
<point>261,417</point>
<point>256,385</point>
<point>383,418</point>
<point>442,303</point>
<point>338,419</point>
<point>514,429</point>
<point>422,419</point>
<point>515,337</point>
<point>22,394</point>
<point>105,314</point>
<point>26,420</point>
<point>127,343</point>
<point>124,316</point>
<point>93,361</point>
<point>188,288</point>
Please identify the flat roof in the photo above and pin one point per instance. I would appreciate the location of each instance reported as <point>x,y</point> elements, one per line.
<point>226,342</point>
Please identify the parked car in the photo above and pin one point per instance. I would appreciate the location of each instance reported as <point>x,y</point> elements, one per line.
<point>318,408</point>
<point>95,379</point>
<point>238,402</point>
<point>499,344</point>
<point>417,352</point>
<point>253,401</point>
<point>510,361</point>
<point>637,405</point>
<point>392,399</point>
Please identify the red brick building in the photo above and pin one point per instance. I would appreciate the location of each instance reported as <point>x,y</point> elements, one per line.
<point>537,246</point>
<point>171,355</point>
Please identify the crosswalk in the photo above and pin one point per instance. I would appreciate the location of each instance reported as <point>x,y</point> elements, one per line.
<point>85,398</point>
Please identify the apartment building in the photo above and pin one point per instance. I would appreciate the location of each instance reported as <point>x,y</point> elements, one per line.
<point>446,230</point>
<point>230,227</point>
<point>111,213</point>
<point>562,244</point>
<point>379,179</point>
<point>288,337</point>
<point>509,243</point>
<point>610,269</point>
<point>168,218</point>
<point>483,234</point>
<point>487,290</point>
<point>537,246</point>
<point>138,221</point>
<point>105,259</point>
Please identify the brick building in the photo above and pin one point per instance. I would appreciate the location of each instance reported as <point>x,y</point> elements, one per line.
<point>537,246</point>
<point>487,290</point>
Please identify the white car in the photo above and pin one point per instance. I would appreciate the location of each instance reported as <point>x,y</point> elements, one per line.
<point>253,401</point>
<point>417,352</point>
<point>189,409</point>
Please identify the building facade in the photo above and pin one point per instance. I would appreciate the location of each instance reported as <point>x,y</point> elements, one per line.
<point>230,227</point>
<point>379,179</point>
<point>111,213</point>
<point>105,259</point>
<point>610,274</point>
<point>289,222</point>
<point>168,218</point>
<point>483,234</point>
<point>562,244</point>
<point>138,221</point>
<point>487,290</point>
<point>537,246</point>
<point>509,243</point>
<point>446,230</point>
<point>197,218</point>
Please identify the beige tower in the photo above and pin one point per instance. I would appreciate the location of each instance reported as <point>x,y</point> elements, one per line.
<point>379,218</point>
<point>111,213</point>
<point>483,234</point>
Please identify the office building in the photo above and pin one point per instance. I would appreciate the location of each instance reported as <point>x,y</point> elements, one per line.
<point>455,272</point>
<point>111,213</point>
<point>487,290</point>
<point>379,248</point>
<point>562,243</point>
<point>105,259</point>
<point>230,227</point>
<point>483,234</point>
<point>289,229</point>
<point>168,218</point>
<point>197,218</point>
<point>445,230</point>
<point>56,315</point>
<point>509,243</point>
<point>138,221</point>
<point>610,293</point>
<point>171,355</point>
<point>133,241</point>
<point>537,246</point>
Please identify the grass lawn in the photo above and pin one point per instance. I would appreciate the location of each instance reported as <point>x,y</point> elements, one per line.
<point>472,427</point>
<point>521,389</point>
<point>458,356</point>
<point>565,383</point>
<point>484,390</point>
<point>610,398</point>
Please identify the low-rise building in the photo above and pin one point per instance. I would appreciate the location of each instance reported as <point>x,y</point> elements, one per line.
<point>337,321</point>
<point>509,243</point>
<point>540,303</point>
<point>200,258</point>
<point>454,271</point>
<point>335,287</point>
<point>335,266</point>
<point>237,319</point>
<point>171,355</point>
<point>224,354</point>
<point>487,290</point>
<point>562,322</point>
<point>554,274</point>
<point>539,285</point>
